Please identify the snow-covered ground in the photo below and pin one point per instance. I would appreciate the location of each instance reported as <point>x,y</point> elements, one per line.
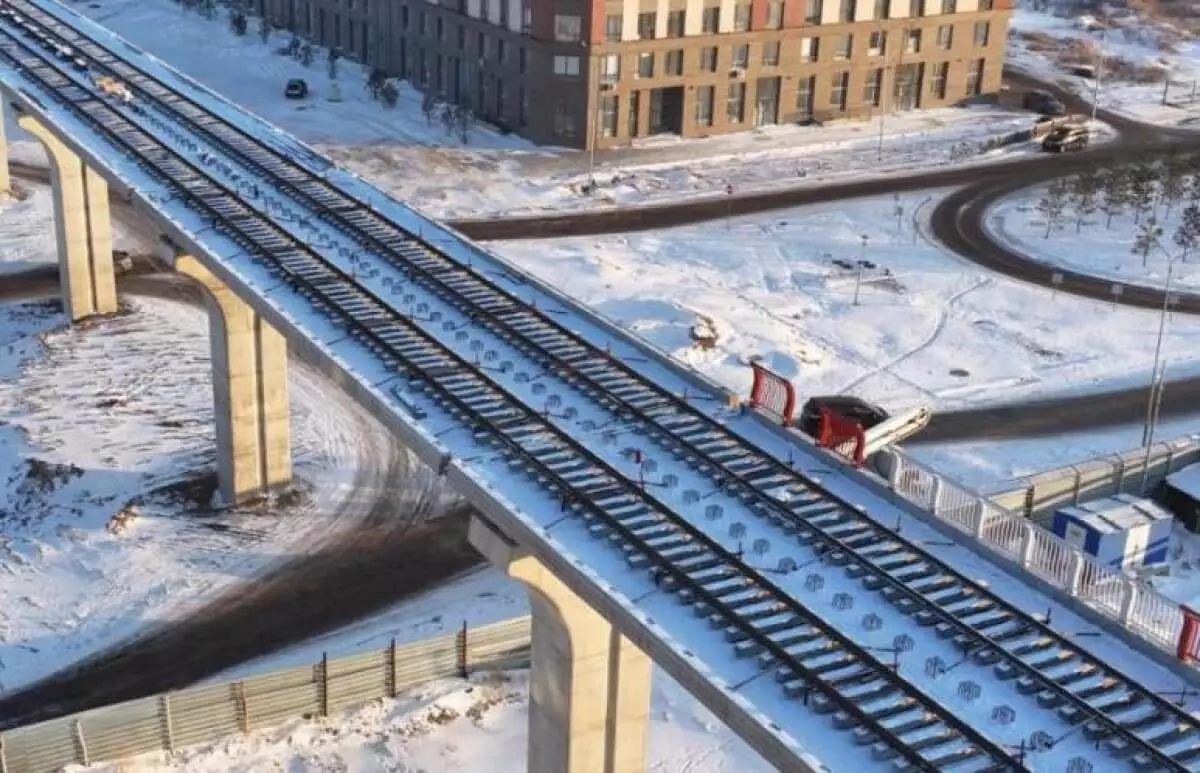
<point>928,327</point>
<point>501,174</point>
<point>1139,55</point>
<point>448,726</point>
<point>1094,246</point>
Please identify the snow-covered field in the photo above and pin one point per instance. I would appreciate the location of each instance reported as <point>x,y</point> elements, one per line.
<point>1096,247</point>
<point>929,328</point>
<point>1139,55</point>
<point>502,174</point>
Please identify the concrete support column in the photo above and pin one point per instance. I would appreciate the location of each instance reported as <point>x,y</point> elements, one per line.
<point>250,392</point>
<point>589,686</point>
<point>82,227</point>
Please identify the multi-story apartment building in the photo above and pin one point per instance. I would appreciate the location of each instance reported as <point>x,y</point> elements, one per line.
<point>574,72</point>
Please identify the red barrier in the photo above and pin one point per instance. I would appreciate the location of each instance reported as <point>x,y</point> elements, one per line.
<point>773,393</point>
<point>837,429</point>
<point>1189,635</point>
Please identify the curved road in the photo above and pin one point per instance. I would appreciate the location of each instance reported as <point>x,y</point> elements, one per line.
<point>390,550</point>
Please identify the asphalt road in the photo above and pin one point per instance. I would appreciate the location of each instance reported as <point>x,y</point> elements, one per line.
<point>390,549</point>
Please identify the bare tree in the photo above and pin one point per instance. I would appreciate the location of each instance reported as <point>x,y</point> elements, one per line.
<point>428,105</point>
<point>1143,189</point>
<point>1116,196</point>
<point>1084,188</point>
<point>1052,205</point>
<point>1187,234</point>
<point>1148,236</point>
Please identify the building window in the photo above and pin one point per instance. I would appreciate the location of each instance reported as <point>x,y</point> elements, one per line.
<point>646,24</point>
<point>673,63</point>
<point>567,29</point>
<point>877,43</point>
<point>770,54</point>
<point>675,24</point>
<point>522,106</point>
<point>610,68</point>
<point>462,38</point>
<point>937,85</point>
<point>810,49</point>
<point>502,51</point>
<point>846,11</point>
<point>710,21</point>
<point>842,47</point>
<point>612,28</point>
<point>912,42</point>
<point>645,65</point>
<point>564,121</point>
<point>975,78</point>
<point>945,37</point>
<point>873,87</point>
<point>522,60</point>
<point>812,11</point>
<point>774,15</point>
<point>440,29</point>
<point>987,5</point>
<point>608,115</point>
<point>708,59</point>
<point>566,65</point>
<point>805,92</point>
<point>982,30</point>
<point>741,17</point>
<point>526,17</point>
<point>735,104</point>
<point>741,56</point>
<point>837,96</point>
<point>705,96</point>
<point>949,6</point>
<point>883,9</point>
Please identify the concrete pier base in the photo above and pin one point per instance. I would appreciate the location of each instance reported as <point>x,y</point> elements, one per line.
<point>589,686</point>
<point>250,392</point>
<point>82,226</point>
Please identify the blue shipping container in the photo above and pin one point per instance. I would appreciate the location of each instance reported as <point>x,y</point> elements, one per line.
<point>1121,532</point>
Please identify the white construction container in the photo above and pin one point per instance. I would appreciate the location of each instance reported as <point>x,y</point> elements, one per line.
<point>1121,532</point>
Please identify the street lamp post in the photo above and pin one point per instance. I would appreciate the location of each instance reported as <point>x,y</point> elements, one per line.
<point>1099,67</point>
<point>862,259</point>
<point>885,85</point>
<point>1148,428</point>
<point>594,133</point>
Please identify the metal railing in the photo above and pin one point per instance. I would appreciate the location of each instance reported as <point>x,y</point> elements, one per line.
<point>174,720</point>
<point>1132,604</point>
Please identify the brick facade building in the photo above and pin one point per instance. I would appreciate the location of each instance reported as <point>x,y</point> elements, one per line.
<point>556,70</point>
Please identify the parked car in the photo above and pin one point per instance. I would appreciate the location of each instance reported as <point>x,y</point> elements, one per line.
<point>1066,138</point>
<point>866,414</point>
<point>1044,102</point>
<point>297,88</point>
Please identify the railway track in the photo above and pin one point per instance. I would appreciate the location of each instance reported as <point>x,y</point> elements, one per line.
<point>812,659</point>
<point>1074,690</point>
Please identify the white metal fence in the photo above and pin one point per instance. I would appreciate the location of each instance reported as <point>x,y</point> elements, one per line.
<point>173,720</point>
<point>1137,607</point>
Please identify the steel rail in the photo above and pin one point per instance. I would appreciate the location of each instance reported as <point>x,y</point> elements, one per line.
<point>437,282</point>
<point>574,497</point>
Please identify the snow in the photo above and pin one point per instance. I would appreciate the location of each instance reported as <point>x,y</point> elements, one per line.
<point>447,726</point>
<point>1096,247</point>
<point>1046,44</point>
<point>498,174</point>
<point>767,286</point>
